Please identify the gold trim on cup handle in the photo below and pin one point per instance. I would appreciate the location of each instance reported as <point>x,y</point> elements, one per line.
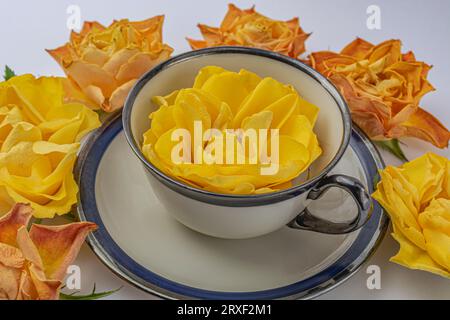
<point>307,221</point>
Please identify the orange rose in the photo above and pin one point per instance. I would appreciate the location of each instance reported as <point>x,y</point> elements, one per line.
<point>383,88</point>
<point>33,264</point>
<point>105,62</point>
<point>251,29</point>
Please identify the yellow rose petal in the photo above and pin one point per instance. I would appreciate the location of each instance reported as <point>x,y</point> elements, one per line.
<point>266,92</point>
<point>413,257</point>
<point>229,87</point>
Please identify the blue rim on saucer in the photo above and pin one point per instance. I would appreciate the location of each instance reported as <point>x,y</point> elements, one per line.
<point>111,254</point>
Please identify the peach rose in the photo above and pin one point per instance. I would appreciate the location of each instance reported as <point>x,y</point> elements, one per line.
<point>33,263</point>
<point>105,62</point>
<point>383,88</point>
<point>252,29</point>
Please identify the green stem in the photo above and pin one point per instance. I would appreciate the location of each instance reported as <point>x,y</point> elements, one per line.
<point>393,146</point>
<point>92,296</point>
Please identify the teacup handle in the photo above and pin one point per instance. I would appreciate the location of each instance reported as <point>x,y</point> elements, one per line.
<point>306,221</point>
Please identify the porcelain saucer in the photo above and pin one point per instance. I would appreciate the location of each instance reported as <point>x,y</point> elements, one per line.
<point>142,243</point>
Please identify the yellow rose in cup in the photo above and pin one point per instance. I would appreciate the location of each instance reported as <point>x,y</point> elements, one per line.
<point>417,198</point>
<point>105,62</point>
<point>40,131</point>
<point>234,133</point>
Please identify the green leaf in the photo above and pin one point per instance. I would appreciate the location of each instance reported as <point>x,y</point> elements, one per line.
<point>102,115</point>
<point>70,216</point>
<point>38,221</point>
<point>92,296</point>
<point>393,146</point>
<point>9,73</point>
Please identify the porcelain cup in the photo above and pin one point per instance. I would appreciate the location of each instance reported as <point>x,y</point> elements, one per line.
<point>246,216</point>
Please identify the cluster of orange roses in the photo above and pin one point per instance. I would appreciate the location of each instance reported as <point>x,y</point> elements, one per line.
<point>382,85</point>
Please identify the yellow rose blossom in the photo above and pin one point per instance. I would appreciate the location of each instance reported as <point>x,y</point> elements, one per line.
<point>224,100</point>
<point>48,103</point>
<point>105,62</point>
<point>251,29</point>
<point>40,131</point>
<point>33,263</point>
<point>417,198</point>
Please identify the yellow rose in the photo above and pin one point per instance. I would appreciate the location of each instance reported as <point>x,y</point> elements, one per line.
<point>417,198</point>
<point>223,100</point>
<point>33,263</point>
<point>383,89</point>
<point>48,103</point>
<point>251,29</point>
<point>105,62</point>
<point>40,133</point>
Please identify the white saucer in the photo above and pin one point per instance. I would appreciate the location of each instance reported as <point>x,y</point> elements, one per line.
<point>142,243</point>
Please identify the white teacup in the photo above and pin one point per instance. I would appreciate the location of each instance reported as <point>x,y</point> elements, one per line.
<point>247,216</point>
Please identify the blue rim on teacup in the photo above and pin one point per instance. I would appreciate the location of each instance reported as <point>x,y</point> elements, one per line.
<point>232,200</point>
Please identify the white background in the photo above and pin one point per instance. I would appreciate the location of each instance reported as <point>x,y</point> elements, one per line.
<point>28,27</point>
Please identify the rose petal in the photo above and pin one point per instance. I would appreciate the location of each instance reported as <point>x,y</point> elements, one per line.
<point>197,44</point>
<point>425,126</point>
<point>265,93</point>
<point>153,24</point>
<point>87,74</point>
<point>411,256</point>
<point>358,49</point>
<point>59,245</point>
<point>9,282</point>
<point>141,63</point>
<point>11,256</point>
<point>118,59</point>
<point>283,109</point>
<point>45,289</point>
<point>19,216</point>
<point>27,291</point>
<point>257,121</point>
<point>435,221</point>
<point>29,251</point>
<point>229,87</point>
<point>36,95</point>
<point>119,96</point>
